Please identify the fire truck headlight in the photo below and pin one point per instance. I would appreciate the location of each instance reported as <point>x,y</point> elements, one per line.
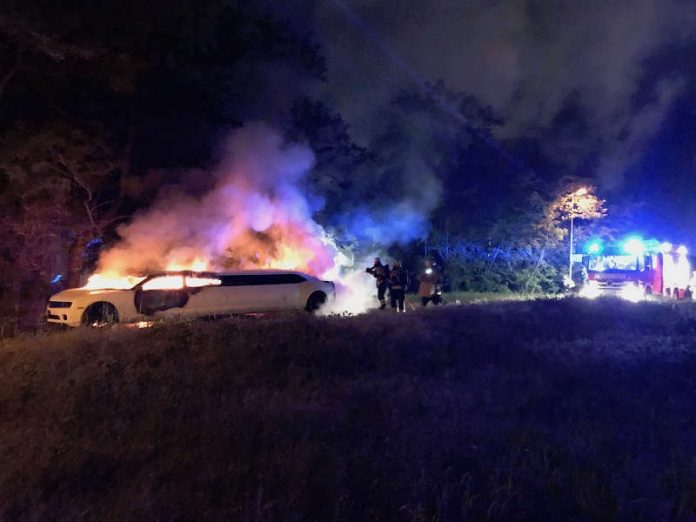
<point>595,247</point>
<point>632,292</point>
<point>634,246</point>
<point>590,290</point>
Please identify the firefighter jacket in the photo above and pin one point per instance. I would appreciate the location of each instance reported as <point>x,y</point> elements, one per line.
<point>428,284</point>
<point>397,279</point>
<point>380,273</point>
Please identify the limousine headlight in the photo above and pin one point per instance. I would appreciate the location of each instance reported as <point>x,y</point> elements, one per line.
<point>59,304</point>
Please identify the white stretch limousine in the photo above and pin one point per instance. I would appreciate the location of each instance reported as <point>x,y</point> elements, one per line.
<point>187,293</point>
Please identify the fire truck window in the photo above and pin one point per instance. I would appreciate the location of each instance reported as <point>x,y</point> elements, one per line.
<point>618,262</point>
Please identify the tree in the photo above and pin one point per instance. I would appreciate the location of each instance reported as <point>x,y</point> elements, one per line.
<point>570,203</point>
<point>575,202</point>
<point>338,158</point>
<point>97,100</point>
<point>75,175</point>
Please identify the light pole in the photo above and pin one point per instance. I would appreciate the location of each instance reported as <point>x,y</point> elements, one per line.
<point>573,205</point>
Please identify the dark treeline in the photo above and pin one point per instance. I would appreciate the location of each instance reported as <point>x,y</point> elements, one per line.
<point>103,104</point>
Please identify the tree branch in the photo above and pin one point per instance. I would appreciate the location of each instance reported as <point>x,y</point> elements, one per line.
<point>75,177</point>
<point>18,31</point>
<point>9,75</point>
<point>85,202</point>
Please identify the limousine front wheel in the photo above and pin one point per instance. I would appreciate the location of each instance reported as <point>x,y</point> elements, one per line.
<point>100,314</point>
<point>315,301</point>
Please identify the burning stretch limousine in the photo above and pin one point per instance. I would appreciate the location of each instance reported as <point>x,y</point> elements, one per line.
<point>188,293</point>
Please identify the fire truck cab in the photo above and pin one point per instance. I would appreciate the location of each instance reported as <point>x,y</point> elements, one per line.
<point>636,269</point>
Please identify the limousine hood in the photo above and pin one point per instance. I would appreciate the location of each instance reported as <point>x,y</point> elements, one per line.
<point>78,293</point>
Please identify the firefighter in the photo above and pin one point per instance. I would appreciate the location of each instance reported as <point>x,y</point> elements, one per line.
<point>381,273</point>
<point>428,289</point>
<point>397,287</point>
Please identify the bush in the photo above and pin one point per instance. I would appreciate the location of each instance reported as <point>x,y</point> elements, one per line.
<point>503,275</point>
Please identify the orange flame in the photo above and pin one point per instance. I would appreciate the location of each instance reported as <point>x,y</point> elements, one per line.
<point>110,280</point>
<point>299,253</point>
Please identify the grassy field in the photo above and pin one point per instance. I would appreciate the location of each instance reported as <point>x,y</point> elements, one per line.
<point>547,410</point>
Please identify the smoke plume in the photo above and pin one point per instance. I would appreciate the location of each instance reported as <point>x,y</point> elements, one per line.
<point>256,216</point>
<point>525,59</point>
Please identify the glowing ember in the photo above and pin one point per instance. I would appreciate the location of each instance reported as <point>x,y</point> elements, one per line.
<point>144,324</point>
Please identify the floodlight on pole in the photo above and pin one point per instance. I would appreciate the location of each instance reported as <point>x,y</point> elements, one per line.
<point>582,191</point>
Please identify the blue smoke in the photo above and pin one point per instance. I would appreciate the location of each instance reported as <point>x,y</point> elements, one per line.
<point>399,223</point>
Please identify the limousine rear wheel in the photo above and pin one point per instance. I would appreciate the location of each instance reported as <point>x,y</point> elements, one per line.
<point>100,314</point>
<point>315,301</point>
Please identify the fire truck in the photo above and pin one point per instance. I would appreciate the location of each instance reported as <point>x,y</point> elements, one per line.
<point>636,269</point>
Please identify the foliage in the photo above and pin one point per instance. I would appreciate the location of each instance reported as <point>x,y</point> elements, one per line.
<point>576,203</point>
<point>547,410</point>
<point>338,157</point>
<point>502,270</point>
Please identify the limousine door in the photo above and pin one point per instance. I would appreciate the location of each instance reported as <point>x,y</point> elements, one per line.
<point>243,295</point>
<point>206,295</point>
<point>284,290</point>
<point>262,292</point>
<point>161,294</point>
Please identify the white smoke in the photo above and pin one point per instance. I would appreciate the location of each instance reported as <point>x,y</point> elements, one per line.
<point>356,293</point>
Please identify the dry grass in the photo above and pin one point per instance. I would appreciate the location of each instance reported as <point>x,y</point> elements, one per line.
<point>548,410</point>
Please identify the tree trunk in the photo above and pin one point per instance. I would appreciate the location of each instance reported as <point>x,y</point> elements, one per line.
<point>10,308</point>
<point>536,267</point>
<point>76,261</point>
<point>31,306</point>
<point>447,246</point>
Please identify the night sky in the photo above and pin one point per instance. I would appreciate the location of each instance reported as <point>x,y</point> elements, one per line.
<point>605,88</point>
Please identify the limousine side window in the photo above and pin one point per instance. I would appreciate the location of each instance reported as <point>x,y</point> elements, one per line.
<point>199,281</point>
<point>164,282</point>
<point>261,279</point>
<point>161,293</point>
